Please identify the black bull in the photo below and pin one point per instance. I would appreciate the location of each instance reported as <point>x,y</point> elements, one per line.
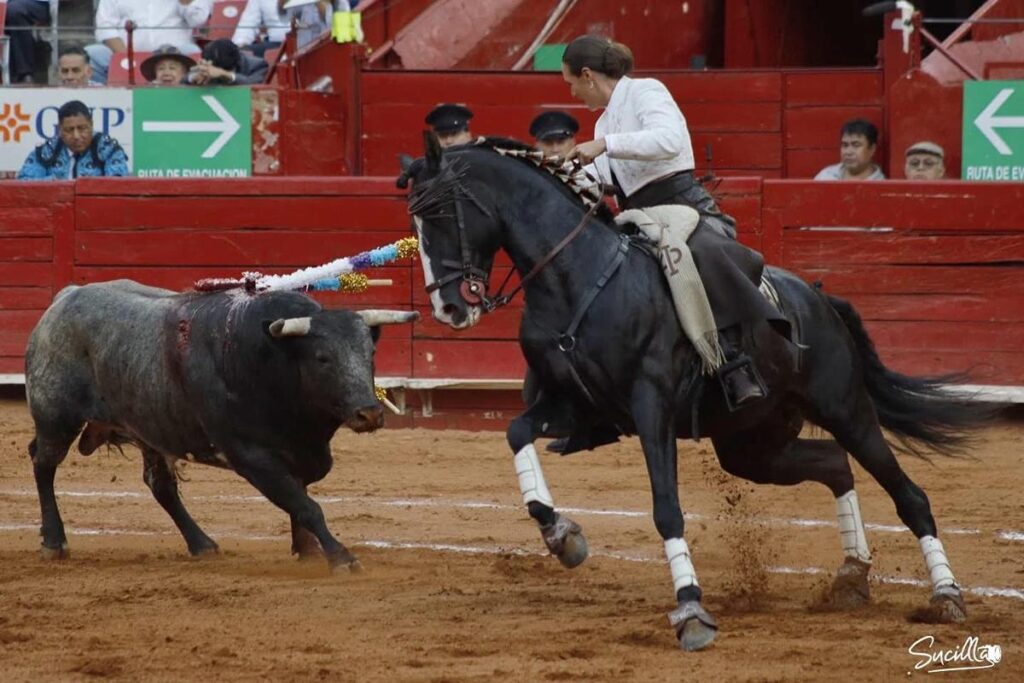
<point>255,383</point>
<point>628,367</point>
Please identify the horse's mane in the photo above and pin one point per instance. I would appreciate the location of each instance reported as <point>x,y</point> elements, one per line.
<point>574,182</point>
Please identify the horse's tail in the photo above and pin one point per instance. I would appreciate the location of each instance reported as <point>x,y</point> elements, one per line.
<point>917,410</point>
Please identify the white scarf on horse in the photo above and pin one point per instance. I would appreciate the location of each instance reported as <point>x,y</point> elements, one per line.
<point>670,226</point>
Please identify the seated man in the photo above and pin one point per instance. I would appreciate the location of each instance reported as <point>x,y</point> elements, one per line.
<point>73,67</point>
<point>224,64</point>
<point>266,14</point>
<point>858,140</point>
<point>21,16</point>
<point>175,19</point>
<point>451,123</point>
<point>925,161</point>
<point>312,18</point>
<point>555,133</point>
<point>76,152</point>
<point>167,66</point>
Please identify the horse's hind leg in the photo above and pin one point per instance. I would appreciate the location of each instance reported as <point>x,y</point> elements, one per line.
<point>762,460</point>
<point>161,480</point>
<point>562,536</point>
<point>857,430</point>
<point>48,450</point>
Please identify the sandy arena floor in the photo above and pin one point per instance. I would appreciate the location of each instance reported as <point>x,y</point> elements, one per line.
<point>456,587</point>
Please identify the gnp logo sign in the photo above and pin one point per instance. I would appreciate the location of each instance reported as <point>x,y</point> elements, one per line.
<point>29,116</point>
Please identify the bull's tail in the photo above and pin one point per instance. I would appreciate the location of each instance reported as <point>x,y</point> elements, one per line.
<point>919,411</point>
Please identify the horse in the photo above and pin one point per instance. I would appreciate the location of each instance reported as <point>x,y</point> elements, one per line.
<point>600,334</point>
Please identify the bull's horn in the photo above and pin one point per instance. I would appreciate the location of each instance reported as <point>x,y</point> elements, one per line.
<point>381,317</point>
<point>290,327</point>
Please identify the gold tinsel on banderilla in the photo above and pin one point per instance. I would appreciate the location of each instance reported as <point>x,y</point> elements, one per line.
<point>407,246</point>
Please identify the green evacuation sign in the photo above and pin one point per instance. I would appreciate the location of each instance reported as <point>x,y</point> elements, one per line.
<point>993,133</point>
<point>193,132</point>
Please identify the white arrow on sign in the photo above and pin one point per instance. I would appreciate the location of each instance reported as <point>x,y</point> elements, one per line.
<point>987,122</point>
<point>227,126</point>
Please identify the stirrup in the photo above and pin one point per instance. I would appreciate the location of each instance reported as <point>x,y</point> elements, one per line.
<point>741,363</point>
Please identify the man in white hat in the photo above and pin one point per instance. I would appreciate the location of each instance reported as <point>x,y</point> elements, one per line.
<point>925,161</point>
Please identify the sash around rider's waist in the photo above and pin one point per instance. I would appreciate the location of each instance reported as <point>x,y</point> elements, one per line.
<point>661,191</point>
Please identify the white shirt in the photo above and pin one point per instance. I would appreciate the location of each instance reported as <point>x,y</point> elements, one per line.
<point>175,20</point>
<point>836,172</point>
<point>645,135</point>
<point>257,13</point>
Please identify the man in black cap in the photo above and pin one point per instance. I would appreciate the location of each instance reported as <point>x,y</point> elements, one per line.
<point>451,123</point>
<point>555,132</point>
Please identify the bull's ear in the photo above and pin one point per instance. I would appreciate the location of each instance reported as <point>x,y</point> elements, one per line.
<point>432,151</point>
<point>289,327</point>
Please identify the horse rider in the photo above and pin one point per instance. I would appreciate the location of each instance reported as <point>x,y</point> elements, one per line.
<point>451,124</point>
<point>642,145</point>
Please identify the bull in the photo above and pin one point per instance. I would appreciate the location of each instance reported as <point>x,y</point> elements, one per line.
<point>257,383</point>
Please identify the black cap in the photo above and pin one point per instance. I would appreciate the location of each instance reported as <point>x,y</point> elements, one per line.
<point>449,118</point>
<point>554,125</point>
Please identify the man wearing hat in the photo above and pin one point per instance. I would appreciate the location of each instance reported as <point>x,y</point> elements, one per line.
<point>451,123</point>
<point>166,66</point>
<point>555,133</point>
<point>925,161</point>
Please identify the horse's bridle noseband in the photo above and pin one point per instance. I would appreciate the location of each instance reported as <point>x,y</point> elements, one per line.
<point>474,286</point>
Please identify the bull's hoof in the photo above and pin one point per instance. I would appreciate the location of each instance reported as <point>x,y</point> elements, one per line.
<point>350,564</point>
<point>50,554</point>
<point>850,588</point>
<point>566,541</point>
<point>205,551</point>
<point>695,628</point>
<point>947,606</point>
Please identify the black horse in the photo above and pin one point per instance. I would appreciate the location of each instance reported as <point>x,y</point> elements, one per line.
<point>600,333</point>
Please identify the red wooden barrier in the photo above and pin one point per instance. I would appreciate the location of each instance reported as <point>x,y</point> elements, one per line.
<point>934,268</point>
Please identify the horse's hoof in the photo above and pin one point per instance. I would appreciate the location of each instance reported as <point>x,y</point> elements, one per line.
<point>574,550</point>
<point>310,557</point>
<point>947,606</point>
<point>850,587</point>
<point>695,628</point>
<point>50,554</point>
<point>565,539</point>
<point>696,636</point>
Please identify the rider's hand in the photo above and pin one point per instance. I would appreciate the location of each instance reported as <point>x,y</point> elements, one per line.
<point>587,151</point>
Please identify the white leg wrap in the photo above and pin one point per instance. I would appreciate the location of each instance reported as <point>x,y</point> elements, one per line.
<point>680,564</point>
<point>531,477</point>
<point>851,527</point>
<point>938,564</point>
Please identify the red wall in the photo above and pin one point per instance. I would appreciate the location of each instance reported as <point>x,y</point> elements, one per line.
<point>938,285</point>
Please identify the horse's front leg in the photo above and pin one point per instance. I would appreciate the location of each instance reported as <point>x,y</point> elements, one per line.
<point>653,416</point>
<point>562,536</point>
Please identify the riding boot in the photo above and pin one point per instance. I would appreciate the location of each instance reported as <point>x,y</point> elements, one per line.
<point>738,377</point>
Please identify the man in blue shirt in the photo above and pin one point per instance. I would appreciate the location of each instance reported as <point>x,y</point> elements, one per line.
<point>76,152</point>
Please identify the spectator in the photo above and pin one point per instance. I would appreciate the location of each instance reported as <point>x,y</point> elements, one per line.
<point>265,13</point>
<point>272,15</point>
<point>22,15</point>
<point>857,144</point>
<point>76,152</point>
<point>224,64</point>
<point>451,123</point>
<point>73,67</point>
<point>160,22</point>
<point>312,18</point>
<point>167,66</point>
<point>555,133</point>
<point>925,161</point>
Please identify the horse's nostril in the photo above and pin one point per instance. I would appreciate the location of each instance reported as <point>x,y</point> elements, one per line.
<point>449,309</point>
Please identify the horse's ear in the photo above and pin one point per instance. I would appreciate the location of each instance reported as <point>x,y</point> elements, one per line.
<point>432,151</point>
<point>405,162</point>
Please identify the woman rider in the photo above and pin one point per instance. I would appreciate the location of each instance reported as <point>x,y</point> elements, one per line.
<point>642,145</point>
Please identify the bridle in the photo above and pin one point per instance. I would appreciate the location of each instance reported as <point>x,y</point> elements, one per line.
<point>475,284</point>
